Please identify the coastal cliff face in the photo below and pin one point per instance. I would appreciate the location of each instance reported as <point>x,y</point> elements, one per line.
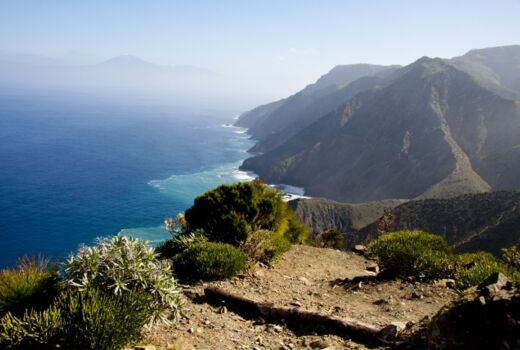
<point>321,214</point>
<point>433,129</point>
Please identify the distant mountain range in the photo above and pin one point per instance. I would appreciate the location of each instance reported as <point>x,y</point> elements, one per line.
<point>122,72</point>
<point>433,129</point>
<point>124,75</point>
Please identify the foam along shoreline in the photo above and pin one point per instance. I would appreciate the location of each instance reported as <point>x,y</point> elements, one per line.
<point>176,185</point>
<point>290,192</point>
<point>184,187</point>
<point>238,130</point>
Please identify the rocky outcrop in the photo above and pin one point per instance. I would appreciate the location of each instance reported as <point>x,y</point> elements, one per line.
<point>488,318</point>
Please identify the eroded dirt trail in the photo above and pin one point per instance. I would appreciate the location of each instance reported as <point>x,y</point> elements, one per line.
<point>307,278</point>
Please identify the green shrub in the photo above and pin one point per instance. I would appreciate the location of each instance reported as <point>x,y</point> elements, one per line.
<point>33,284</point>
<point>229,213</point>
<point>471,269</point>
<point>331,238</point>
<point>88,319</point>
<point>33,330</point>
<point>511,256</point>
<point>120,264</point>
<point>265,246</point>
<point>413,253</point>
<point>209,261</point>
<point>296,233</point>
<point>92,319</point>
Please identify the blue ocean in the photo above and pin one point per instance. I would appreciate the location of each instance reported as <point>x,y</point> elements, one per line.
<point>71,171</point>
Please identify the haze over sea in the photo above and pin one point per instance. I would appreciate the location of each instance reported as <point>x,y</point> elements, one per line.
<point>73,170</point>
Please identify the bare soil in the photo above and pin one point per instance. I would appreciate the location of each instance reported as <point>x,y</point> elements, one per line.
<point>305,277</point>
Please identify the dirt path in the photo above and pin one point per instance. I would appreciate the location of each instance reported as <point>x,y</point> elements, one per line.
<point>305,277</point>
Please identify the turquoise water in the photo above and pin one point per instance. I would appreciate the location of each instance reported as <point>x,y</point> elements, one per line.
<point>185,187</point>
<point>72,171</point>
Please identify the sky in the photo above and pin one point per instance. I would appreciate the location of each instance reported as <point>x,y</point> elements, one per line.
<point>282,45</point>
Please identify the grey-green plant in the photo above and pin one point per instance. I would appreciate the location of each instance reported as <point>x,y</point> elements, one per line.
<point>176,226</point>
<point>120,264</point>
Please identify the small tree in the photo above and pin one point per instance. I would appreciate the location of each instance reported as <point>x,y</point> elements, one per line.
<point>229,213</point>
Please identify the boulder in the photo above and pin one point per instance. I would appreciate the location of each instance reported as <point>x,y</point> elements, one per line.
<point>359,248</point>
<point>373,267</point>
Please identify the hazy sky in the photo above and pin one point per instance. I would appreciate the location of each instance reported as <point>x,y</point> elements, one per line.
<point>282,44</point>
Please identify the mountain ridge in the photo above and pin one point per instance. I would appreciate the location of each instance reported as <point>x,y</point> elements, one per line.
<point>273,123</point>
<point>470,222</point>
<point>428,130</point>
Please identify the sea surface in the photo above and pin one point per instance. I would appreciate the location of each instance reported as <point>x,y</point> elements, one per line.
<point>71,171</point>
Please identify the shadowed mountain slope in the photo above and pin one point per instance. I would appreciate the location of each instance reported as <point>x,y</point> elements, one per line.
<point>430,130</point>
<point>486,221</point>
<point>496,68</point>
<point>273,123</point>
<point>471,222</point>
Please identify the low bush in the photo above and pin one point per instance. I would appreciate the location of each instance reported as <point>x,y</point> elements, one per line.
<point>33,330</point>
<point>88,319</point>
<point>120,264</point>
<point>471,269</point>
<point>92,319</point>
<point>33,284</point>
<point>172,247</point>
<point>331,238</point>
<point>413,253</point>
<point>265,246</point>
<point>208,261</point>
